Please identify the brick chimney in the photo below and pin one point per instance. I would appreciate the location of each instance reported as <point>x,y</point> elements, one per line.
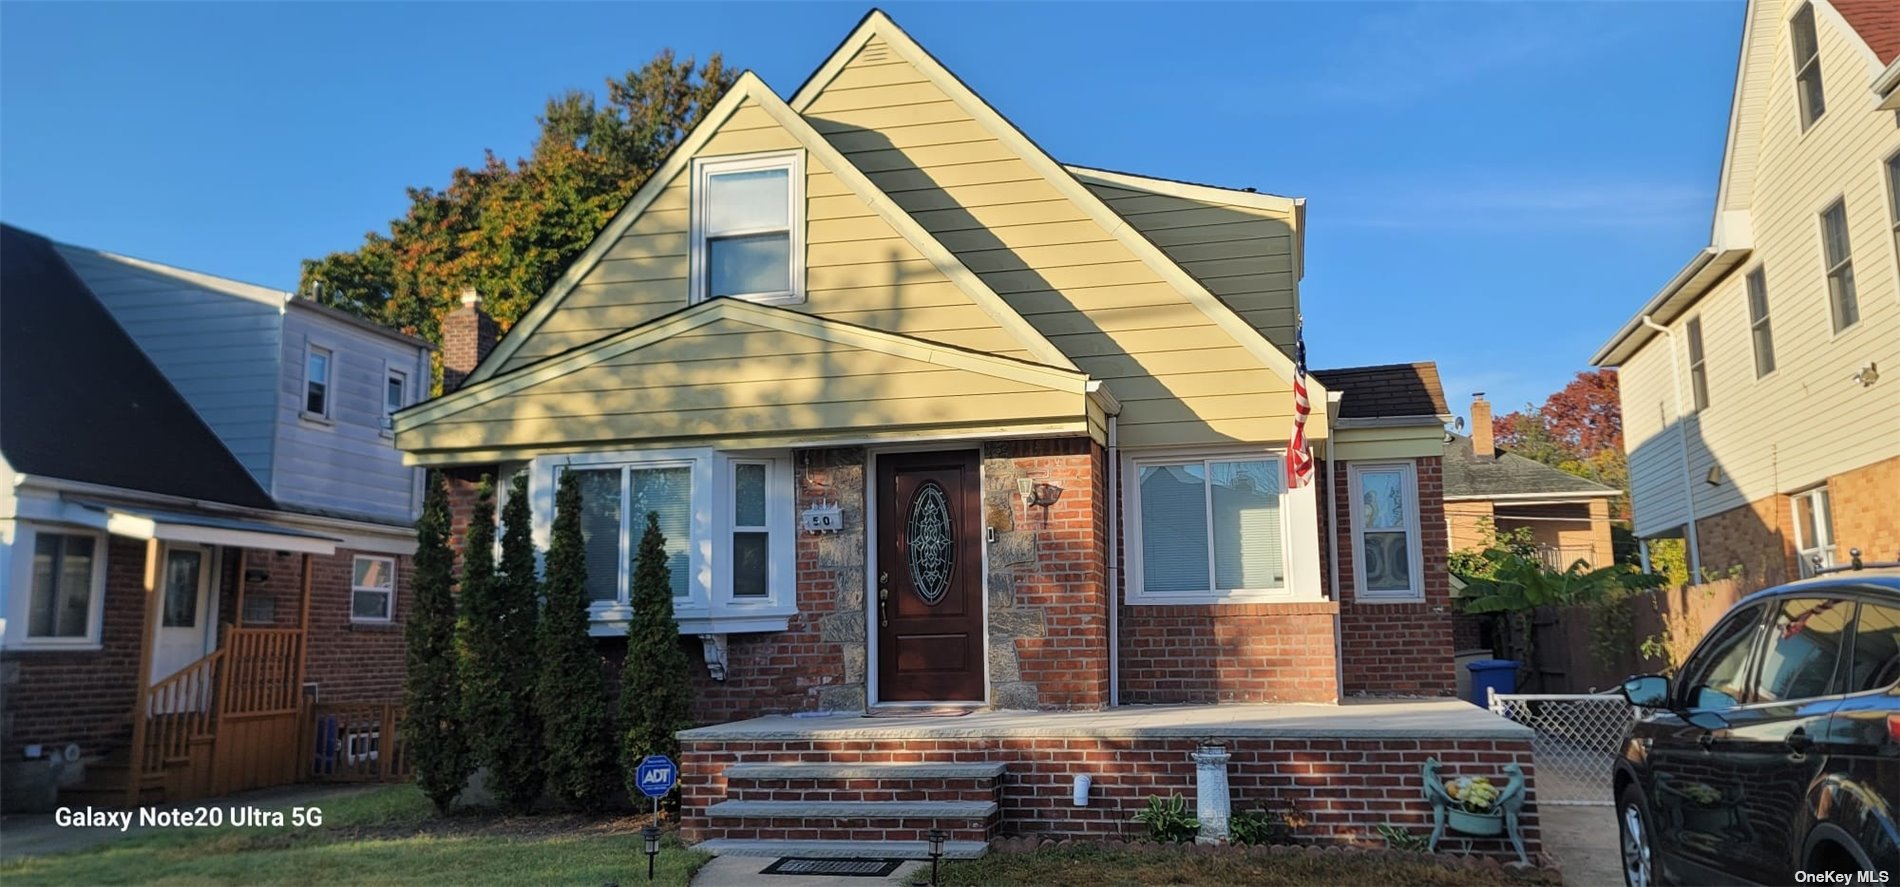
<point>1481,426</point>
<point>468,334</point>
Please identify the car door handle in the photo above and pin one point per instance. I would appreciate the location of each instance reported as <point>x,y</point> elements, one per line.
<point>1706,740</point>
<point>1798,741</point>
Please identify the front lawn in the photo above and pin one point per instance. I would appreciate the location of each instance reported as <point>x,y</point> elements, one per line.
<point>383,836</point>
<point>1230,867</point>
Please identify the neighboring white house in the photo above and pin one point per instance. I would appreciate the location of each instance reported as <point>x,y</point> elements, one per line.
<point>1761,385</point>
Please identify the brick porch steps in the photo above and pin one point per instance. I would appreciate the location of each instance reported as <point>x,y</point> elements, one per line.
<point>865,782</point>
<point>879,809</point>
<point>842,849</point>
<point>852,820</point>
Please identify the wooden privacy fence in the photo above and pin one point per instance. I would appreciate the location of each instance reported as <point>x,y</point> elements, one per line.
<point>355,742</point>
<point>1571,659</point>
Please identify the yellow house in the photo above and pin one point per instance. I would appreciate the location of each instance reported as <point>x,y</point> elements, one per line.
<point>1760,406</point>
<point>930,417</point>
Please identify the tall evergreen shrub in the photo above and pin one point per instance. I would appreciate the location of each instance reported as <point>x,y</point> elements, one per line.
<point>576,723</point>
<point>432,701</point>
<point>655,688</point>
<point>499,631</point>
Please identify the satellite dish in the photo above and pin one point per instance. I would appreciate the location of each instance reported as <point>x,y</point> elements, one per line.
<point>1459,423</point>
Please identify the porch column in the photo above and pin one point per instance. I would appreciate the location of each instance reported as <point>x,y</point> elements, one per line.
<point>148,635</point>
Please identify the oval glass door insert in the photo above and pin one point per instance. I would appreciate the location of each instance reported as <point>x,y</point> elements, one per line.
<point>931,542</point>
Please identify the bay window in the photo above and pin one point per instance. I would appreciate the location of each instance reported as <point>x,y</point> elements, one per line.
<point>1207,529</point>
<point>1387,562</point>
<point>727,526</point>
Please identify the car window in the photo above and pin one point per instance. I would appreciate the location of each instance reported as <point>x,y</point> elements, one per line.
<point>1716,674</point>
<point>1876,663</point>
<point>1805,637</point>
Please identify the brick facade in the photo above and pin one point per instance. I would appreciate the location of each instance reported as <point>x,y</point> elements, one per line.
<point>1346,787</point>
<point>1399,648</point>
<point>1866,505</point>
<point>468,334</point>
<point>1760,537</point>
<point>1229,653</point>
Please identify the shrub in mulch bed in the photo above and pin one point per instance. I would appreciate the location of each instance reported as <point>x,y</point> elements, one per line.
<point>1542,872</point>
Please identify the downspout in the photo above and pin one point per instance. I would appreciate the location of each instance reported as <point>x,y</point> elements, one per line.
<point>1682,450</point>
<point>1114,511</point>
<point>1333,399</point>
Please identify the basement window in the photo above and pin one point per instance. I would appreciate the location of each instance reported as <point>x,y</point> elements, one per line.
<point>748,228</point>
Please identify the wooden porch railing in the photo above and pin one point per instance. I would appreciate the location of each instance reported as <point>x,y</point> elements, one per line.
<point>356,742</point>
<point>178,710</point>
<point>263,670</point>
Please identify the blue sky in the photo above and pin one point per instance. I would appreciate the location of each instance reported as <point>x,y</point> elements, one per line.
<point>1492,186</point>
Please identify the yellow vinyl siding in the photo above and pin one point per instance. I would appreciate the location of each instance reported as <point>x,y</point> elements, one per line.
<point>1059,268</point>
<point>857,267</point>
<point>1808,420</point>
<point>730,378</point>
<point>1242,254</point>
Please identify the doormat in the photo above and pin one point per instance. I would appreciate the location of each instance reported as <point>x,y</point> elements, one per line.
<point>947,711</point>
<point>846,868</point>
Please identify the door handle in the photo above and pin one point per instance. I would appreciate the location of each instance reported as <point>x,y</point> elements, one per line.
<point>883,595</point>
<point>1798,741</point>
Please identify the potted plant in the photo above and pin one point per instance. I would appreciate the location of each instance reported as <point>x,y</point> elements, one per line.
<point>1474,809</point>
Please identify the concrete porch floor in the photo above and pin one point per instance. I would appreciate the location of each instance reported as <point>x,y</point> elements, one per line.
<point>1353,719</point>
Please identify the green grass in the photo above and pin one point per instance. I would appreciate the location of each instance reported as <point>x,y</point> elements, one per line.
<point>385,836</point>
<point>1118,866</point>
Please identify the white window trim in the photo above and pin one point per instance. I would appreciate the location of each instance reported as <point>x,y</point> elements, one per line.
<point>1823,508</point>
<point>706,167</point>
<point>389,605</point>
<point>1756,325</point>
<point>329,383</point>
<point>25,539</point>
<point>1890,172</point>
<point>709,607</point>
<point>1299,541</point>
<point>1828,271</point>
<point>392,373</point>
<point>1415,594</point>
<point>1801,66</point>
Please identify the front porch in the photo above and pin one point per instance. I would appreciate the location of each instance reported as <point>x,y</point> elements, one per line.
<point>807,786</point>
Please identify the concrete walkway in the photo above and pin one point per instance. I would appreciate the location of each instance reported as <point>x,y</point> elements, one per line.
<point>40,834</point>
<point>1583,840</point>
<point>748,871</point>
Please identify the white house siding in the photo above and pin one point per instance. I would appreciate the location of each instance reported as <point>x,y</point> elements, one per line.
<point>349,465</point>
<point>217,341</point>
<point>1809,420</point>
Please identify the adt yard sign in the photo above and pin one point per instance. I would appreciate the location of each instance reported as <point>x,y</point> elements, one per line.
<point>656,776</point>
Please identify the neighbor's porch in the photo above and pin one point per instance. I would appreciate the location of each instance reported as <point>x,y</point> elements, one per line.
<point>815,785</point>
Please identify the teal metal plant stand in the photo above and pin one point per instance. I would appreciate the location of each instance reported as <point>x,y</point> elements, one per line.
<point>1501,820</point>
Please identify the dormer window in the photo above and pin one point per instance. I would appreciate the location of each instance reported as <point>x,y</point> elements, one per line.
<point>748,228</point>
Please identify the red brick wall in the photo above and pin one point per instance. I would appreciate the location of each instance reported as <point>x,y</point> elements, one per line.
<point>354,661</point>
<point>468,334</point>
<point>1866,505</point>
<point>83,696</point>
<point>1347,787</point>
<point>1228,653</point>
<point>1392,648</point>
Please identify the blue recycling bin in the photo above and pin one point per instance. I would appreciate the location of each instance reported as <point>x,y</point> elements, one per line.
<point>1491,674</point>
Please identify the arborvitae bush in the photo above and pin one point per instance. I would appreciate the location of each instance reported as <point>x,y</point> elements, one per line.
<point>655,688</point>
<point>432,725</point>
<point>499,631</point>
<point>576,723</point>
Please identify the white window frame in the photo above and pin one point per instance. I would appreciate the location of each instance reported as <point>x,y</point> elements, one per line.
<point>310,349</point>
<point>1819,502</point>
<point>1831,269</point>
<point>1761,328</point>
<point>1891,169</point>
<point>1698,364</point>
<point>400,377</point>
<point>389,601</point>
<point>1808,67</point>
<point>25,542</point>
<point>1416,549</point>
<point>1298,511</point>
<point>704,168</point>
<point>709,606</point>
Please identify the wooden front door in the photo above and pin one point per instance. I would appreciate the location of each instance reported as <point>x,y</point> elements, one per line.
<point>929,578</point>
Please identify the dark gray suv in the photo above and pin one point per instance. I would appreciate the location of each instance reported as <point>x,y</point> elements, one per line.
<point>1775,752</point>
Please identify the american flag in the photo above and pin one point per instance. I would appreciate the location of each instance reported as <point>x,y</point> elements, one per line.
<point>1299,463</point>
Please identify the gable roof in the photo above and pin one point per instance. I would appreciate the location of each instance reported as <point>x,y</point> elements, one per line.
<point>876,24</point>
<point>749,86</point>
<point>1388,391</point>
<point>80,401</point>
<point>1506,474</point>
<point>1878,24</point>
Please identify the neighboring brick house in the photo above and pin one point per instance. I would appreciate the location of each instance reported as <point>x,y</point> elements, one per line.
<point>1760,411</point>
<point>930,418</point>
<point>201,499</point>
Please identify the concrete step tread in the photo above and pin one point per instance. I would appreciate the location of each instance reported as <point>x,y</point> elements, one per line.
<point>987,770</point>
<point>841,849</point>
<point>853,809</point>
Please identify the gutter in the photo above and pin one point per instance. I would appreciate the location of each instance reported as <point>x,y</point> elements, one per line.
<point>1682,449</point>
<point>1655,303</point>
<point>1392,421</point>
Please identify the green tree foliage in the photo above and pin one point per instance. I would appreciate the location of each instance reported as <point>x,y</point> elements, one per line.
<point>500,611</point>
<point>510,230</point>
<point>432,724</point>
<point>655,688</point>
<point>1516,583</point>
<point>577,726</point>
